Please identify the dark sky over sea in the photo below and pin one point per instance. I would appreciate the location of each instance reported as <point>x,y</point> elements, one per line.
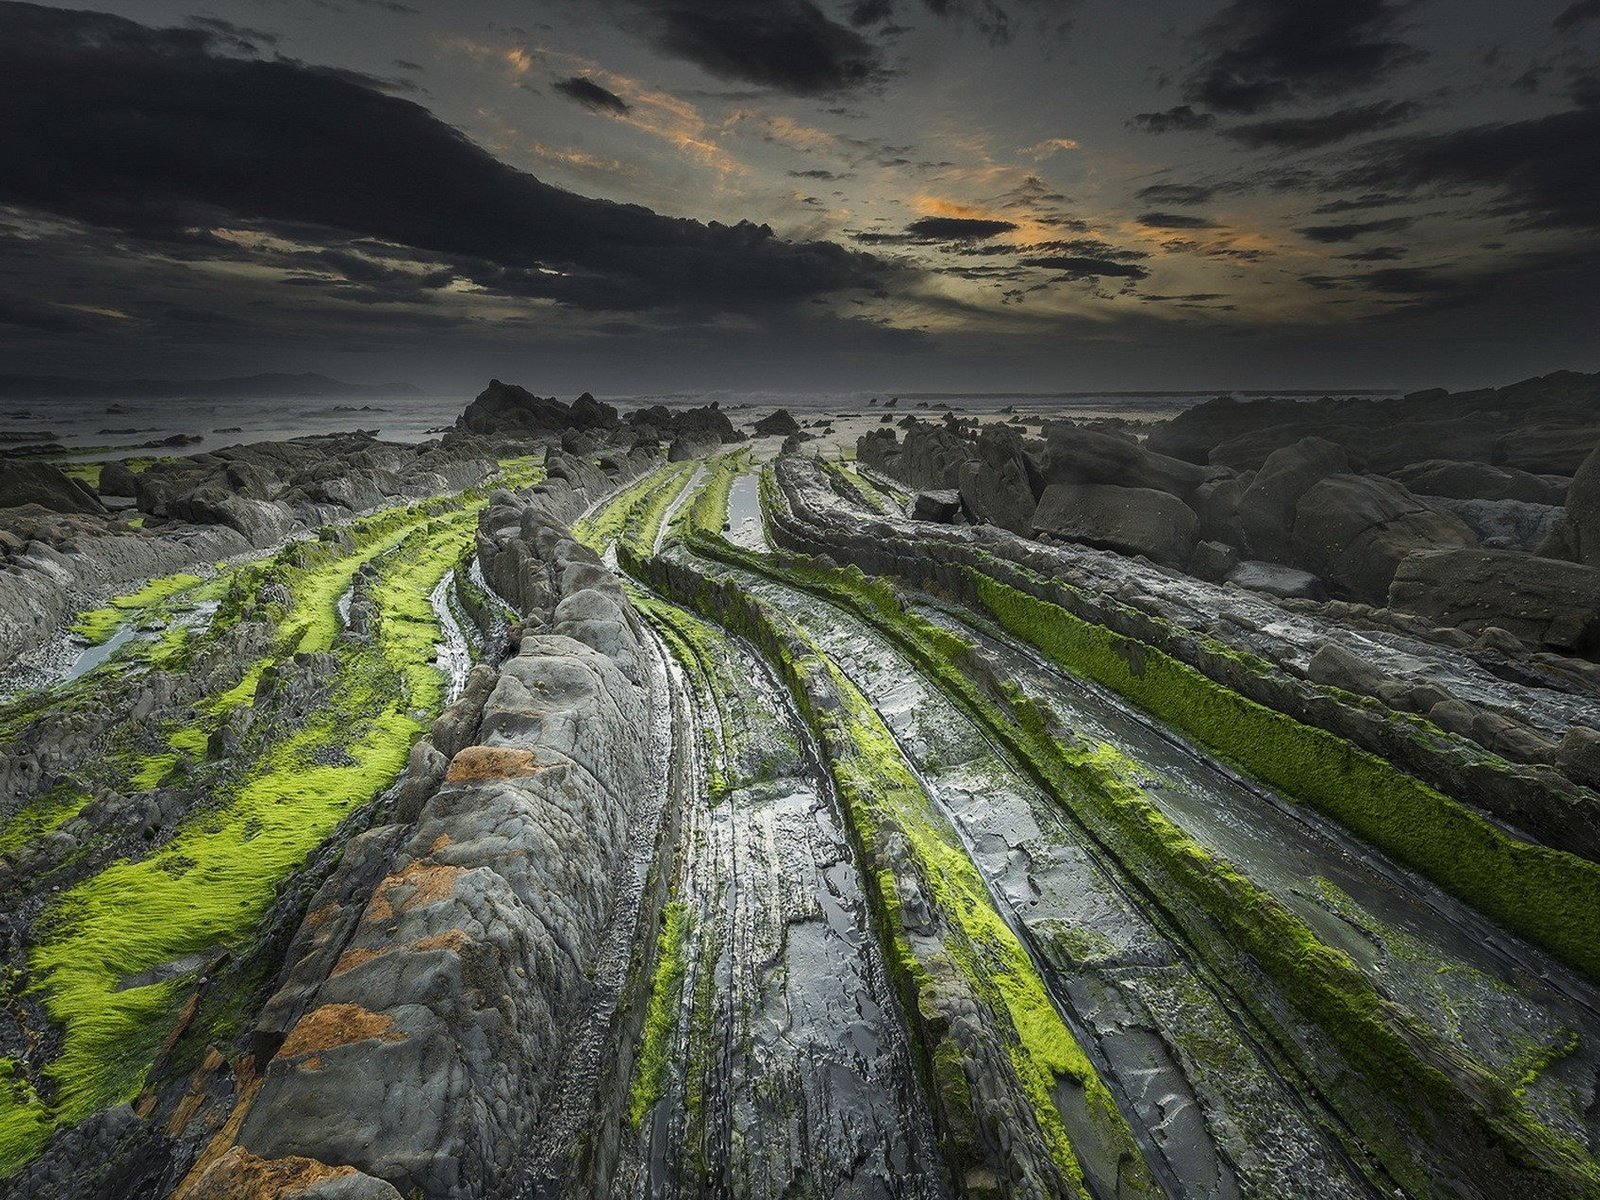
<point>639,196</point>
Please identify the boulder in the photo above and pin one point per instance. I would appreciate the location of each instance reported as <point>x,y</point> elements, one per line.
<point>1502,524</point>
<point>117,480</point>
<point>1544,602</point>
<point>49,487</point>
<point>1267,507</point>
<point>1480,481</point>
<point>1276,579</point>
<point>1583,511</point>
<point>937,504</point>
<point>1353,530</point>
<point>1213,561</point>
<point>779,424</point>
<point>1216,502</point>
<point>504,408</point>
<point>1077,455</point>
<point>1128,520</point>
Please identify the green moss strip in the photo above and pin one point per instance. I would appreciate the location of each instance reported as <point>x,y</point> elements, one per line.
<point>881,796</point>
<point>1547,896</point>
<point>1457,1106</point>
<point>661,1019</point>
<point>96,625</point>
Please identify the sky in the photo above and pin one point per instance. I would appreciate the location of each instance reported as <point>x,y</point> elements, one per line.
<point>632,196</point>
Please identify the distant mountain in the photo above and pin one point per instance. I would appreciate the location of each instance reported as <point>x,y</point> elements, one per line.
<point>245,387</point>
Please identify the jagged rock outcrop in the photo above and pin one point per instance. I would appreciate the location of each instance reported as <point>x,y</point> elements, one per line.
<point>507,410</point>
<point>999,485</point>
<point>779,424</point>
<point>413,1040</point>
<point>707,426</point>
<point>49,487</point>
<point>1545,425</point>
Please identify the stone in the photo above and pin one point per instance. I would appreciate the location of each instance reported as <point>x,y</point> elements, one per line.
<point>1267,507</point>
<point>1542,602</point>
<point>49,487</point>
<point>1213,560</point>
<point>1480,481</point>
<point>1074,454</point>
<point>1583,511</point>
<point>1353,530</point>
<point>1578,756</point>
<point>937,504</point>
<point>779,424</point>
<point>1276,579</point>
<point>1128,520</point>
<point>997,486</point>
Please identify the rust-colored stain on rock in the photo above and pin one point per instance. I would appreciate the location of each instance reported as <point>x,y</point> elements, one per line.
<point>335,1025</point>
<point>477,763</point>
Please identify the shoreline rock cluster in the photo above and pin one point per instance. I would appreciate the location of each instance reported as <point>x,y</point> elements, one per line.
<point>1349,500</point>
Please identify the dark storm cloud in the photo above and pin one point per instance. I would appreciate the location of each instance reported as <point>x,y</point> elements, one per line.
<point>591,95</point>
<point>1263,53</point>
<point>242,36</point>
<point>1305,133</point>
<point>989,18</point>
<point>1545,169</point>
<point>1180,119</point>
<point>1576,15</point>
<point>1375,254</point>
<point>788,45</point>
<point>951,229</point>
<point>1359,203</point>
<point>1349,231</point>
<point>1078,267</point>
<point>1164,220</point>
<point>1175,193</point>
<point>161,136</point>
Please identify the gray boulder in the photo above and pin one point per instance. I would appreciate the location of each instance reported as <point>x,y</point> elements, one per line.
<point>1128,520</point>
<point>1544,602</point>
<point>937,504</point>
<point>1480,481</point>
<point>1502,524</point>
<point>1583,511</point>
<point>1267,508</point>
<point>1076,455</point>
<point>49,487</point>
<point>1276,579</point>
<point>779,424</point>
<point>1353,530</point>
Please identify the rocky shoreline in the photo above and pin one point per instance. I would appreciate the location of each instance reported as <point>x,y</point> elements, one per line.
<point>992,815</point>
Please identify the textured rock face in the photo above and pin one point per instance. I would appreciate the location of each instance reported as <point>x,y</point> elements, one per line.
<point>421,1054</point>
<point>998,486</point>
<point>1543,601</point>
<point>1583,511</point>
<point>932,457</point>
<point>1128,520</point>
<point>1354,529</point>
<point>1170,610</point>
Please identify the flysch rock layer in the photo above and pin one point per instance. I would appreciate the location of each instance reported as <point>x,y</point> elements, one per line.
<point>437,972</point>
<point>1514,749</point>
